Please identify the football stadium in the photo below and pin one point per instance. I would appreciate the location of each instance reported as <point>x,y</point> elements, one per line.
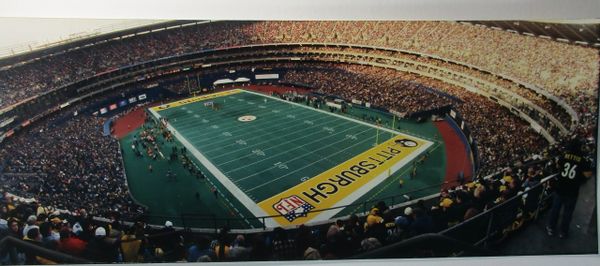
<point>215,141</point>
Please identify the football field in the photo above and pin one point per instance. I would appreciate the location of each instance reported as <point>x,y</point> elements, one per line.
<point>290,161</point>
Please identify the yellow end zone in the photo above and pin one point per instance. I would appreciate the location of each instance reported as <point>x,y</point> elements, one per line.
<point>334,186</point>
<point>194,99</point>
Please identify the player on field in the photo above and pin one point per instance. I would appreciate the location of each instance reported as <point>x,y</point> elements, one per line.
<point>573,170</point>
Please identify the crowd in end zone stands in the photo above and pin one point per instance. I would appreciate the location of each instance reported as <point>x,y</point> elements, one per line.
<point>116,241</point>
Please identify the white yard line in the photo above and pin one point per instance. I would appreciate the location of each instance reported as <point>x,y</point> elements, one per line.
<point>302,156</point>
<point>256,136</point>
<point>273,123</point>
<point>208,116</point>
<point>278,178</point>
<point>266,141</point>
<point>233,189</point>
<point>332,114</point>
<point>287,151</point>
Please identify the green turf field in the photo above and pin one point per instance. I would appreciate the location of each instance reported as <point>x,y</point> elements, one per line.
<point>254,163</point>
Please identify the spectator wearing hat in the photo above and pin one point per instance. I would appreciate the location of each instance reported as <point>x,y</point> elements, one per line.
<point>170,242</point>
<point>403,221</point>
<point>31,223</point>
<point>374,226</point>
<point>102,249</point>
<point>373,218</point>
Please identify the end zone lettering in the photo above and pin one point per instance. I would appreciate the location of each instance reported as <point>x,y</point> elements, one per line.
<point>344,183</point>
<point>348,176</point>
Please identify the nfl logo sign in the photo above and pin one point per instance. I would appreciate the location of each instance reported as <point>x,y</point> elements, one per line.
<point>292,207</point>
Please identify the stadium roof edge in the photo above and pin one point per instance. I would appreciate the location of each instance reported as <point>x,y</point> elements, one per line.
<point>14,59</point>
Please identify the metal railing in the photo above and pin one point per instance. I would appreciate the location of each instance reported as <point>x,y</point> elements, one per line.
<point>501,218</point>
<point>210,223</point>
<point>12,245</point>
<point>430,245</point>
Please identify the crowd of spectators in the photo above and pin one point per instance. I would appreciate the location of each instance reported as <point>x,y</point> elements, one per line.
<point>492,84</point>
<point>565,70</point>
<point>66,162</point>
<point>493,127</point>
<point>113,240</point>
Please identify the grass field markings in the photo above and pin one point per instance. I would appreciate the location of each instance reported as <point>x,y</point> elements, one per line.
<point>304,167</point>
<point>297,157</point>
<point>198,108</point>
<point>245,127</point>
<point>267,140</point>
<point>232,128</point>
<point>218,175</point>
<point>282,143</point>
<point>222,195</point>
<point>400,174</point>
<point>188,121</point>
<point>220,145</point>
<point>330,113</point>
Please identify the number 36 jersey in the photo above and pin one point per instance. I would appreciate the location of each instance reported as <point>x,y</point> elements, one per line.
<point>571,167</point>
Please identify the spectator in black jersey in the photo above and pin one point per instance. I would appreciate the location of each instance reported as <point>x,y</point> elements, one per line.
<point>573,170</point>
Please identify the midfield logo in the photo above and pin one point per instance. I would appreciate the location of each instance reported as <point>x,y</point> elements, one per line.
<point>292,207</point>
